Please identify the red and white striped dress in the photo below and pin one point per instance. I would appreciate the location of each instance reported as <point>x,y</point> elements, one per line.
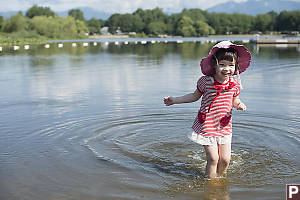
<point>214,117</point>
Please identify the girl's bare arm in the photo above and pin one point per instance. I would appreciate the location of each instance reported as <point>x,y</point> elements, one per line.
<point>191,97</point>
<point>238,104</point>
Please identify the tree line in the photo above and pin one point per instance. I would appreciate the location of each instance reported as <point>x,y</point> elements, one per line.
<point>42,21</point>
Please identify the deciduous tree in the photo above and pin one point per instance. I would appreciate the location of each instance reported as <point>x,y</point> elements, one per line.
<point>77,14</point>
<point>39,11</point>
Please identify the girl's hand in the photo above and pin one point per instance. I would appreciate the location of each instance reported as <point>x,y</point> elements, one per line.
<point>169,101</point>
<point>241,106</point>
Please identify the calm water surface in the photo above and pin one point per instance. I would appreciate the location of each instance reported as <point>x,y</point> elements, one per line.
<point>89,123</point>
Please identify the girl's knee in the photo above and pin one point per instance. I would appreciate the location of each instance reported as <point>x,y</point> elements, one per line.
<point>224,161</point>
<point>213,160</point>
<point>212,155</point>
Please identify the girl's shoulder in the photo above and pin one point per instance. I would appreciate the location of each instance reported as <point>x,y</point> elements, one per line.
<point>235,83</point>
<point>206,78</point>
<point>204,82</point>
<point>236,87</point>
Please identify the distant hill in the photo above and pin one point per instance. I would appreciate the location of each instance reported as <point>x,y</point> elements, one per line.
<point>8,14</point>
<point>254,7</point>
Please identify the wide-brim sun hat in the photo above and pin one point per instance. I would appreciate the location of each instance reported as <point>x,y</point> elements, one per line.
<point>244,57</point>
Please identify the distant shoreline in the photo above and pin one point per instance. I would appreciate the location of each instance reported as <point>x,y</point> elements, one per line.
<point>209,36</point>
<point>107,36</point>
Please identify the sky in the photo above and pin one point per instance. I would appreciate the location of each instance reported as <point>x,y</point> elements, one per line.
<point>112,6</point>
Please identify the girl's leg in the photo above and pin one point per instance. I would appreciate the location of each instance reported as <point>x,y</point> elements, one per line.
<point>224,158</point>
<point>212,157</point>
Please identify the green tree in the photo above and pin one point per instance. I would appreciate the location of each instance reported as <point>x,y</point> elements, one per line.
<point>273,16</point>
<point>58,27</point>
<point>194,14</point>
<point>77,14</point>
<point>171,22</point>
<point>15,24</point>
<point>131,23</point>
<point>220,22</point>
<point>236,23</point>
<point>263,22</point>
<point>148,16</point>
<point>203,29</point>
<point>288,21</point>
<point>113,23</point>
<point>214,21</point>
<point>94,25</point>
<point>156,28</point>
<point>185,27</point>
<point>195,22</point>
<point>241,23</point>
<point>226,23</point>
<point>81,27</point>
<point>39,11</point>
<point>1,22</point>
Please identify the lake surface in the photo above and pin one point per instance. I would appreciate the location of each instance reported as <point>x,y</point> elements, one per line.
<point>90,123</point>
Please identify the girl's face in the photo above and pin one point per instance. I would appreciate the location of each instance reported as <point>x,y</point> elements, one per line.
<point>224,69</point>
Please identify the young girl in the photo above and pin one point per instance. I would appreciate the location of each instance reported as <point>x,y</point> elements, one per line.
<point>212,127</point>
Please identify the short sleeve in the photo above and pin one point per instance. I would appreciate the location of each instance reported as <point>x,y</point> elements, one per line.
<point>237,90</point>
<point>201,84</point>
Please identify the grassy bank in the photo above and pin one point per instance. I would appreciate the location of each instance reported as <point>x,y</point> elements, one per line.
<point>21,38</point>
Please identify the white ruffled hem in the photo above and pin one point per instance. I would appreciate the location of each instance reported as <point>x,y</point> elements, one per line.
<point>210,140</point>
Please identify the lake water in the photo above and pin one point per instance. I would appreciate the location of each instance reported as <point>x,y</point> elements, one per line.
<point>90,123</point>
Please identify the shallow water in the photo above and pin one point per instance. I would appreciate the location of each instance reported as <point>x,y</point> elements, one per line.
<point>89,123</point>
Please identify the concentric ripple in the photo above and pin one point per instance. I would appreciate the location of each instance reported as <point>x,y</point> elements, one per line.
<point>154,151</point>
<point>157,144</point>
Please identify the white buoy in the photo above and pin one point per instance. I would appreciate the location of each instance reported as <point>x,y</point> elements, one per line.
<point>166,41</point>
<point>26,47</point>
<point>0,48</point>
<point>16,47</point>
<point>60,45</point>
<point>85,44</point>
<point>95,43</point>
<point>144,42</point>
<point>125,42</point>
<point>152,41</point>
<point>179,41</point>
<point>116,43</point>
<point>106,43</point>
<point>74,44</point>
<point>47,46</point>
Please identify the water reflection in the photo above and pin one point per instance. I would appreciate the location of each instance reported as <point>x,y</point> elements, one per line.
<point>41,61</point>
<point>276,51</point>
<point>217,189</point>
<point>93,116</point>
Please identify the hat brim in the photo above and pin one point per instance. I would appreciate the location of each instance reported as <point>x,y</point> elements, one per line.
<point>244,59</point>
